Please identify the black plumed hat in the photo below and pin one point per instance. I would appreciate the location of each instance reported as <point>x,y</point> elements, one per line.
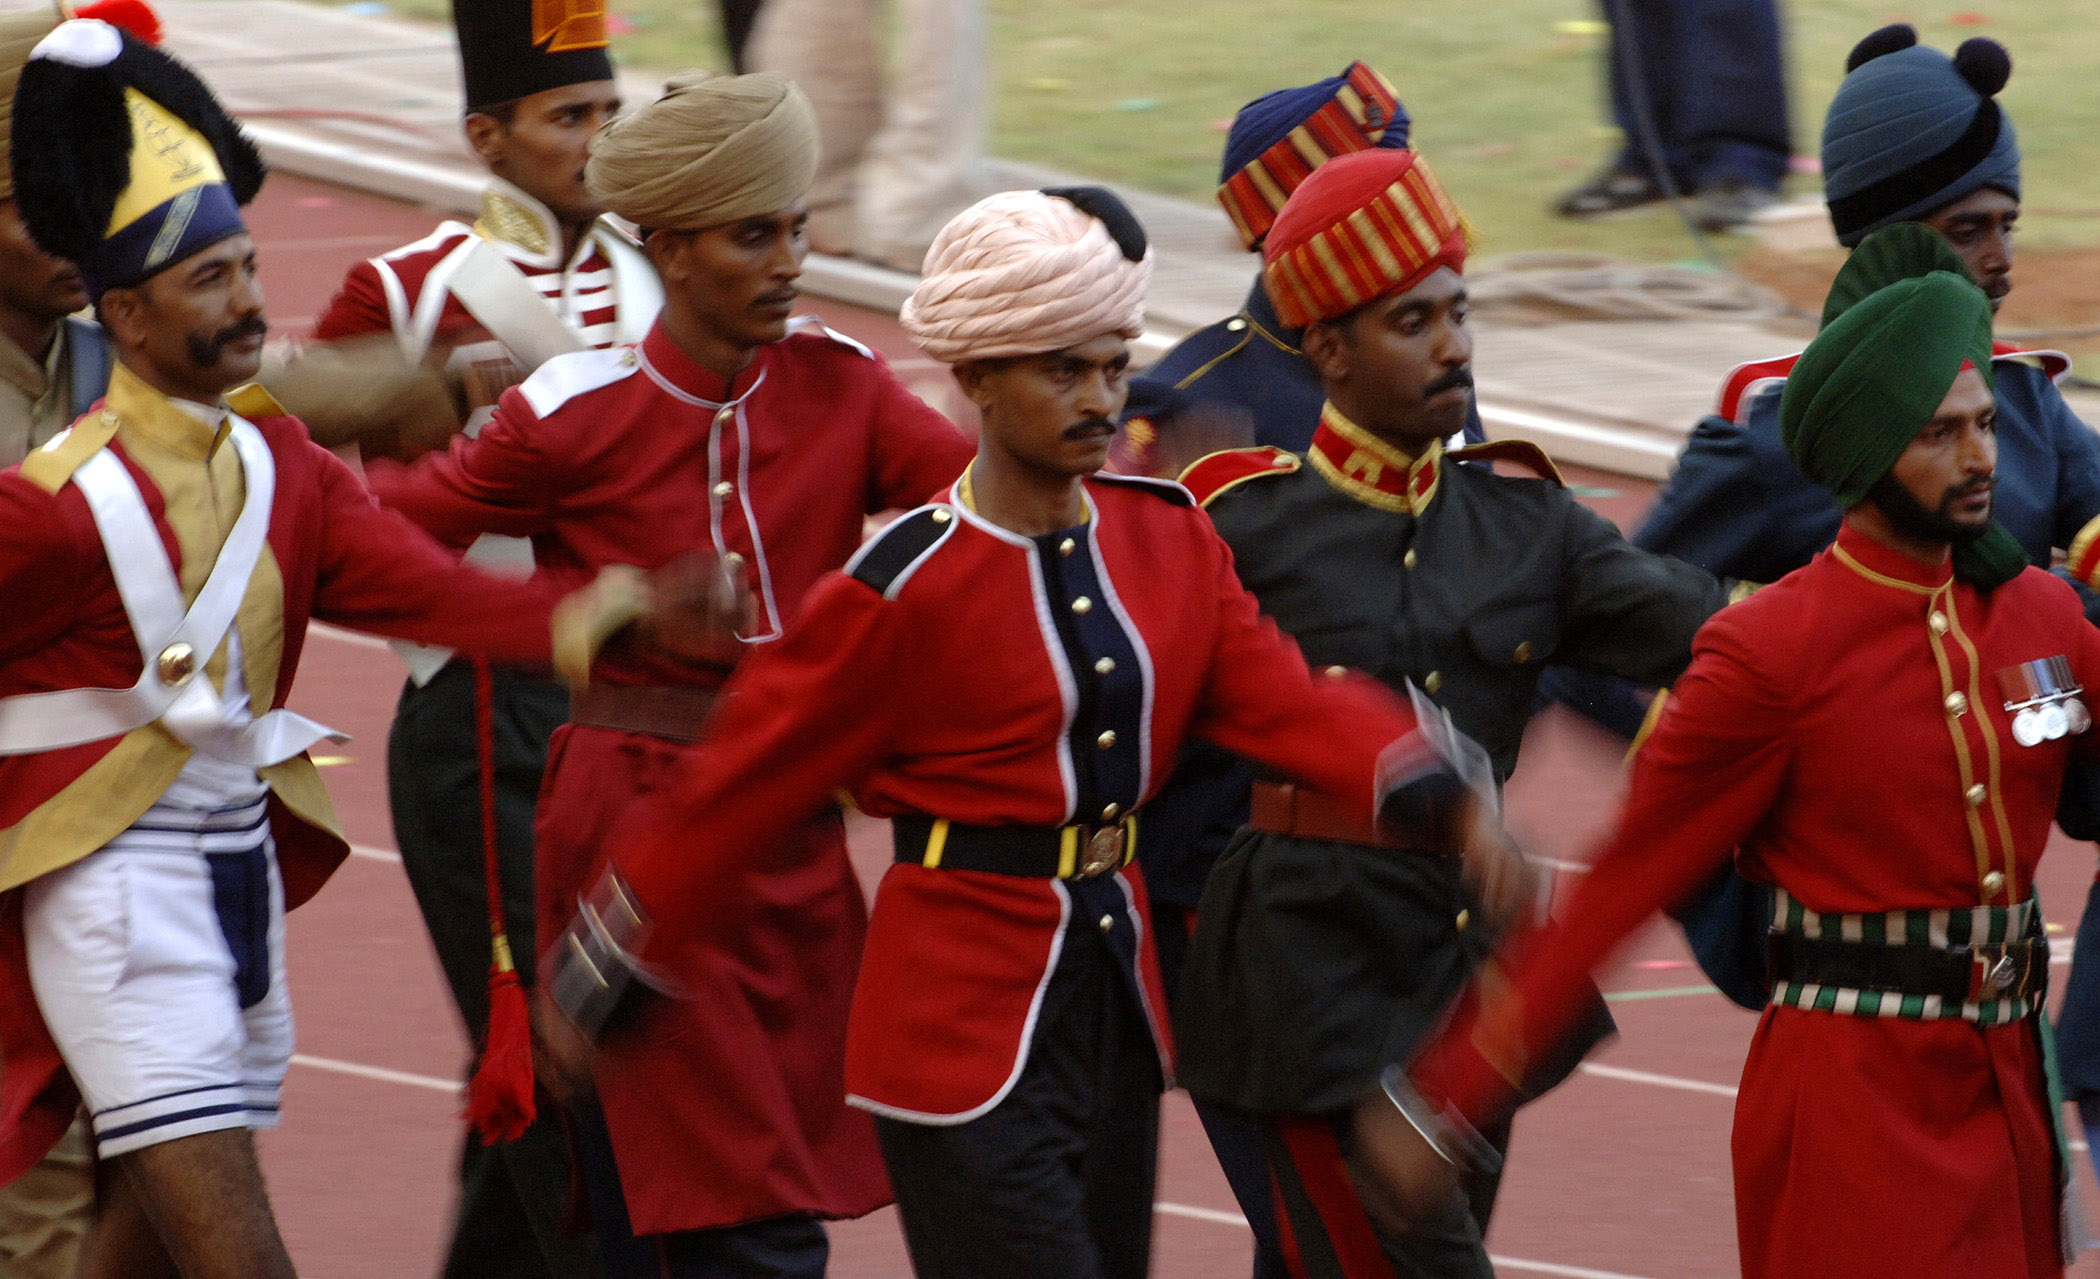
<point>124,185</point>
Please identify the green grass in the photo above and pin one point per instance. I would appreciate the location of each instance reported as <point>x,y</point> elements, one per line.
<point>1507,101</point>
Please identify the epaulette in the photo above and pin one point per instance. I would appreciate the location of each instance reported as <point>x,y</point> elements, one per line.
<point>889,559</point>
<point>1207,477</point>
<point>2054,364</point>
<point>1516,452</point>
<point>52,465</point>
<point>252,402</point>
<point>575,373</point>
<point>1744,381</point>
<point>811,326</point>
<point>1168,489</point>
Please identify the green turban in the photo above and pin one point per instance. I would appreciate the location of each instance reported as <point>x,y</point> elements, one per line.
<point>1904,251</point>
<point>1873,377</point>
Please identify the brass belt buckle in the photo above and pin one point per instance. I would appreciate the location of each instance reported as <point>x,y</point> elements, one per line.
<point>1104,851</point>
<point>1992,972</point>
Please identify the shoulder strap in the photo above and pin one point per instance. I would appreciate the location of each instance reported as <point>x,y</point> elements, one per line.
<point>1516,452</point>
<point>498,295</point>
<point>889,559</point>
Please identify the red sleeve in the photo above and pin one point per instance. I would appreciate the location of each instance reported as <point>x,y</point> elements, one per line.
<point>499,481</point>
<point>38,562</point>
<point>359,307</point>
<point>918,452</point>
<point>1262,703</point>
<point>1710,771</point>
<point>379,572</point>
<point>802,718</point>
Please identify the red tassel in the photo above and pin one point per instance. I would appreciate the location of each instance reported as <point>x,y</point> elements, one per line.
<point>133,16</point>
<point>499,1096</point>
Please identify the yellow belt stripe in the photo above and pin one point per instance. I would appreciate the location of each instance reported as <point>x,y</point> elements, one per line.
<point>1067,852</point>
<point>935,844</point>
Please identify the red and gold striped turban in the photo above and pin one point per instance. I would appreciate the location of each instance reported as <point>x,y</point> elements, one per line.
<point>1361,227</point>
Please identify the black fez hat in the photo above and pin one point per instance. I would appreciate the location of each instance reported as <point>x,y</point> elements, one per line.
<point>511,49</point>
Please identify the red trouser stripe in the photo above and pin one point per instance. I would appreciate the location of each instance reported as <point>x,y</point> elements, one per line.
<point>1327,1233</point>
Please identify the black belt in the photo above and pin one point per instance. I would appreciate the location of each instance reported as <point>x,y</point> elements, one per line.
<point>1960,974</point>
<point>1032,852</point>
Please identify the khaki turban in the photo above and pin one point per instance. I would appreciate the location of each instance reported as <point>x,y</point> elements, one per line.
<point>1020,273</point>
<point>713,149</point>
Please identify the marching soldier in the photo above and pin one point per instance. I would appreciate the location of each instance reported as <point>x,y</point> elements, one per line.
<point>540,273</point>
<point>1007,674</point>
<point>1322,948</point>
<point>737,431</point>
<point>162,559</point>
<point>1881,735</point>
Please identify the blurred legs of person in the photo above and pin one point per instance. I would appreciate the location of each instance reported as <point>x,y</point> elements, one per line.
<point>898,150</point>
<point>1705,81</point>
<point>44,1213</point>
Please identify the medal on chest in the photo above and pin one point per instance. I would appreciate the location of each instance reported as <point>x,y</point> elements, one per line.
<point>2043,700</point>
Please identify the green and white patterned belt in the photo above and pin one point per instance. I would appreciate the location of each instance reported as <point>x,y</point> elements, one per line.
<point>1982,927</point>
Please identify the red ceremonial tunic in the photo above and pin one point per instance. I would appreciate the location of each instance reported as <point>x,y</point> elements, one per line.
<point>1843,735</point>
<point>342,559</point>
<point>932,679</point>
<point>732,1109</point>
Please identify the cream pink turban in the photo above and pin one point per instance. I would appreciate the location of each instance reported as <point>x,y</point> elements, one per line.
<point>1024,272</point>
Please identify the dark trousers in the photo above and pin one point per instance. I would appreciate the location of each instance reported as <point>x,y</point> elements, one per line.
<point>514,1195</point>
<point>1330,1236</point>
<point>778,1248</point>
<point>1235,1139</point>
<point>1709,78</point>
<point>1056,1181</point>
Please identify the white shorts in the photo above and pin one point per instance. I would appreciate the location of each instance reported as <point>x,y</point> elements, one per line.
<point>158,963</point>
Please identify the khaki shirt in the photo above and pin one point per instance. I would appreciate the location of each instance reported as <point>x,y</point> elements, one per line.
<point>36,396</point>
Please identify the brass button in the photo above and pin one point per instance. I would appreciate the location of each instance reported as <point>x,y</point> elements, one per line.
<point>1523,653</point>
<point>1957,704</point>
<point>941,517</point>
<point>1464,917</point>
<point>1067,546</point>
<point>724,489</point>
<point>1108,923</point>
<point>177,662</point>
<point>1082,606</point>
<point>627,357</point>
<point>723,414</point>
<point>1433,681</point>
<point>1993,884</point>
<point>1284,463</point>
<point>1408,560</point>
<point>1104,666</point>
<point>1938,622</point>
<point>1106,739</point>
<point>1235,324</point>
<point>1976,794</point>
<point>1112,812</point>
<point>1335,672</point>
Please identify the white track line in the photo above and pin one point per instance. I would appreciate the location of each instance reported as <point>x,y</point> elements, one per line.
<point>1212,1215</point>
<point>322,630</point>
<point>1658,1081</point>
<point>380,1073</point>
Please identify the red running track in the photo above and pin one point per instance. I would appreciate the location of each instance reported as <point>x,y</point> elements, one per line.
<point>1621,1174</point>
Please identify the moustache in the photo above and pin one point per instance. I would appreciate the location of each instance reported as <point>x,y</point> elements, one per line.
<point>1090,426</point>
<point>205,352</point>
<point>1454,380</point>
<point>1957,492</point>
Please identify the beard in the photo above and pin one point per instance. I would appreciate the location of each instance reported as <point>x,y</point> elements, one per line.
<point>1914,519</point>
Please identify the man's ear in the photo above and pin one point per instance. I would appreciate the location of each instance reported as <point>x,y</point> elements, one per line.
<point>972,377</point>
<point>487,135</point>
<point>1327,349</point>
<point>665,251</point>
<point>122,313</point>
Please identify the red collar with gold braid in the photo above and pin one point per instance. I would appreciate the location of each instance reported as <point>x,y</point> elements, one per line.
<point>1371,470</point>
